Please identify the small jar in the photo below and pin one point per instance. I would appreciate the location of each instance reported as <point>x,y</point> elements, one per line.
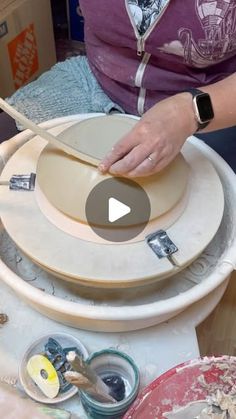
<point>109,362</point>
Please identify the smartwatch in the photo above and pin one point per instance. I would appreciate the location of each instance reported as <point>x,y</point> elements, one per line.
<point>202,107</point>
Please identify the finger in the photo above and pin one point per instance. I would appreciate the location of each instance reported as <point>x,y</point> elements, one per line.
<point>131,160</point>
<point>147,166</point>
<point>162,163</point>
<point>120,149</point>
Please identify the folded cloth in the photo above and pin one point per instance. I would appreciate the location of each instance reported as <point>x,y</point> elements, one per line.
<point>69,88</point>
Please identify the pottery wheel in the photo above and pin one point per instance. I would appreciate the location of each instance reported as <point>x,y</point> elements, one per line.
<point>93,263</point>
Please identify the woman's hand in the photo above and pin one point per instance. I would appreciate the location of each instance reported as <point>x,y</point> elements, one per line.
<point>154,141</point>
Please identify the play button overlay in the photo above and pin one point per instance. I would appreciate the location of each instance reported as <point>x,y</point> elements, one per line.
<point>118,209</point>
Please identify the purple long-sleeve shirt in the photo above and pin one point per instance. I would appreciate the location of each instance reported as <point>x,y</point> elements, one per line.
<point>192,43</point>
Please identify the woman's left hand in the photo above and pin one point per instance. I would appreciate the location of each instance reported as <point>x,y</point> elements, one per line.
<point>154,141</point>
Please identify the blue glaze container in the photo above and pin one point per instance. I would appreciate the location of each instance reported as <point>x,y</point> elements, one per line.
<point>112,362</point>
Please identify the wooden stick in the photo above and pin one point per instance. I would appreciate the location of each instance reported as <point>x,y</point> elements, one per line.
<point>77,379</point>
<point>84,384</point>
<point>68,149</point>
<point>81,367</point>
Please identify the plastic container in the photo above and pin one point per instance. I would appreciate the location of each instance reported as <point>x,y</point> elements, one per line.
<point>112,362</point>
<point>37,347</point>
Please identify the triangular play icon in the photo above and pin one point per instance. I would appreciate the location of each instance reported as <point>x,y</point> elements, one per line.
<point>117,210</point>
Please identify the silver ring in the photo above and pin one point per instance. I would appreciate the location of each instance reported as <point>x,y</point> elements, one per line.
<point>150,159</point>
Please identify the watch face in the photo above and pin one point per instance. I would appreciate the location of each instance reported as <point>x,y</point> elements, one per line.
<point>205,108</point>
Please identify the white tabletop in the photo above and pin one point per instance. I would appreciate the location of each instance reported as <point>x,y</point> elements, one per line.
<point>155,349</point>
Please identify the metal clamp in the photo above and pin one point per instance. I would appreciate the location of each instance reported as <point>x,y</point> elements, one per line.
<point>162,245</point>
<point>21,182</point>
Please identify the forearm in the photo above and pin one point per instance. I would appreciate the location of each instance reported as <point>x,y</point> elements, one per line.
<point>223,97</point>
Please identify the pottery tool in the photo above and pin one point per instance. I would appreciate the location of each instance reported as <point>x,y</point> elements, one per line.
<point>44,375</point>
<point>116,388</point>
<point>83,383</point>
<point>36,129</point>
<point>114,382</point>
<point>77,379</point>
<point>87,379</point>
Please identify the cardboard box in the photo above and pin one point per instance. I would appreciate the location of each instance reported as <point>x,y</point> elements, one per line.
<point>75,21</point>
<point>27,46</point>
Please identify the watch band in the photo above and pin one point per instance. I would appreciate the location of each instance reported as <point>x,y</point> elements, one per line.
<point>194,92</point>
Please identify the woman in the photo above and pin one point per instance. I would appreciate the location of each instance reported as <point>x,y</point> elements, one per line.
<point>150,73</point>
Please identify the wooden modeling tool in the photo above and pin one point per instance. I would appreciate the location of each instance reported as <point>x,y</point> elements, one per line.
<point>85,378</point>
<point>82,383</point>
<point>77,379</point>
<point>68,149</point>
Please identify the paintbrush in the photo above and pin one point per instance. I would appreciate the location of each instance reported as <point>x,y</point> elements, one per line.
<point>85,377</point>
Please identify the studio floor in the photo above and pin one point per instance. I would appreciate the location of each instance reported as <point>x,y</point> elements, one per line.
<point>217,334</point>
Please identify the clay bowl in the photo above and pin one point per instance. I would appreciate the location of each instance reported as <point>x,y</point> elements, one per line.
<point>66,181</point>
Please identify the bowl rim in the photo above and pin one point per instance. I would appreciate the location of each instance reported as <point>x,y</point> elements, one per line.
<point>201,360</point>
